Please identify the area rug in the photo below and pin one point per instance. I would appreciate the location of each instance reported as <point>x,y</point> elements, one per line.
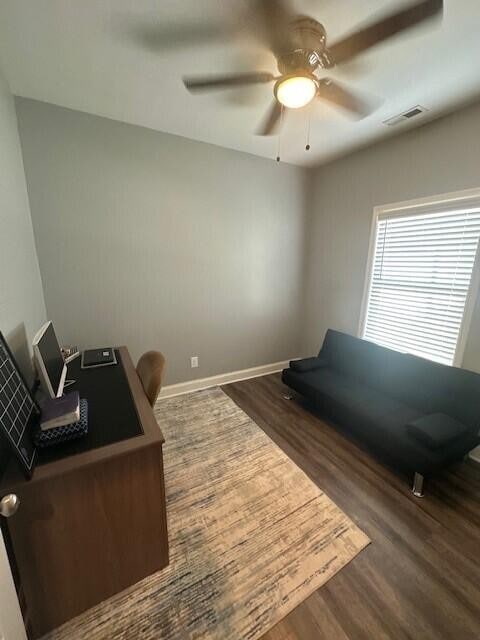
<point>250,535</point>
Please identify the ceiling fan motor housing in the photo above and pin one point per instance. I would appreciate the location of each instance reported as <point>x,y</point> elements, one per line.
<point>306,47</point>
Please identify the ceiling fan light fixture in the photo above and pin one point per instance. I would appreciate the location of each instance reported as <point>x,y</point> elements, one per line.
<point>295,91</point>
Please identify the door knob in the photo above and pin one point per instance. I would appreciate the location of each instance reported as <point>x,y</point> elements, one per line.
<point>9,505</point>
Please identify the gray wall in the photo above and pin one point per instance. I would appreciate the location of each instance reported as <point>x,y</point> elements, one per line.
<point>157,241</point>
<point>22,308</point>
<point>153,240</point>
<point>440,157</point>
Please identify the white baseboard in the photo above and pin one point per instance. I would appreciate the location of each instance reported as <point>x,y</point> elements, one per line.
<point>223,378</point>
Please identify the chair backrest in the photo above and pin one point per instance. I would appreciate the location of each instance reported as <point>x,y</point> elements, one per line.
<point>150,370</point>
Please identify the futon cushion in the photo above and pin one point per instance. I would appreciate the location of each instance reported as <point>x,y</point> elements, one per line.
<point>308,364</point>
<point>377,419</point>
<point>427,386</point>
<point>436,430</point>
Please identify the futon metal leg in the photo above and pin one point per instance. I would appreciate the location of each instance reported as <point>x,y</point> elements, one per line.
<point>417,488</point>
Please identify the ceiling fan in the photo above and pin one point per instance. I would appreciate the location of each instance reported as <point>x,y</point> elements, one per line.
<point>299,44</point>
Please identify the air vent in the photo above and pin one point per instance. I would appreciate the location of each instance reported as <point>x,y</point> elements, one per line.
<point>406,115</point>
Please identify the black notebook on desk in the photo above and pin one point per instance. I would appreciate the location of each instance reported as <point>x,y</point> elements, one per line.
<point>103,357</point>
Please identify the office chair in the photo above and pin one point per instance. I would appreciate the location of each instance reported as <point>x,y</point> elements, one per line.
<point>150,370</point>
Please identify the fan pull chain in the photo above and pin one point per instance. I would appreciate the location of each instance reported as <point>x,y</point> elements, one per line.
<point>309,118</point>
<point>280,134</point>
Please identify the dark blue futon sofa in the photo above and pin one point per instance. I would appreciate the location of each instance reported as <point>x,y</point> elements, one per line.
<point>418,415</point>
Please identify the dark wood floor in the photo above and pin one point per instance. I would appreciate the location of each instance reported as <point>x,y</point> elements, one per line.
<point>420,577</point>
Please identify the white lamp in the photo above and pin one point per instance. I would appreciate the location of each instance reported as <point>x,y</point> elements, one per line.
<point>296,91</point>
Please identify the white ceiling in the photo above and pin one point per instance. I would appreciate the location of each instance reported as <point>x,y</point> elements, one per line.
<point>83,54</point>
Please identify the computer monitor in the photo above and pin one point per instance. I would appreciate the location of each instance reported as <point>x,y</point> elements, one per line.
<point>49,362</point>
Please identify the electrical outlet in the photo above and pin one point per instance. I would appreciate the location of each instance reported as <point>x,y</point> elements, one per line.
<point>194,362</point>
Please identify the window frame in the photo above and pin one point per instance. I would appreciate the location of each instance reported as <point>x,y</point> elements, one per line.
<point>401,209</point>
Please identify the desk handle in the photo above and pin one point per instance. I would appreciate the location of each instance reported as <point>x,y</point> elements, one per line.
<point>9,505</point>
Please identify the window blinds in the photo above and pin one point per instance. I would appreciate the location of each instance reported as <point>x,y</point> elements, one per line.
<point>420,280</point>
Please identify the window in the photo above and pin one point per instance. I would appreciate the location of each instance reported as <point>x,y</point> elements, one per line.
<point>422,276</point>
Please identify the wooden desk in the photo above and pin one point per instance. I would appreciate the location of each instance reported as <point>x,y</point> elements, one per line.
<point>92,520</point>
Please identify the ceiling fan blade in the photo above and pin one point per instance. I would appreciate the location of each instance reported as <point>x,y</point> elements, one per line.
<point>271,120</point>
<point>227,81</point>
<point>379,31</point>
<point>338,95</point>
<point>273,17</point>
